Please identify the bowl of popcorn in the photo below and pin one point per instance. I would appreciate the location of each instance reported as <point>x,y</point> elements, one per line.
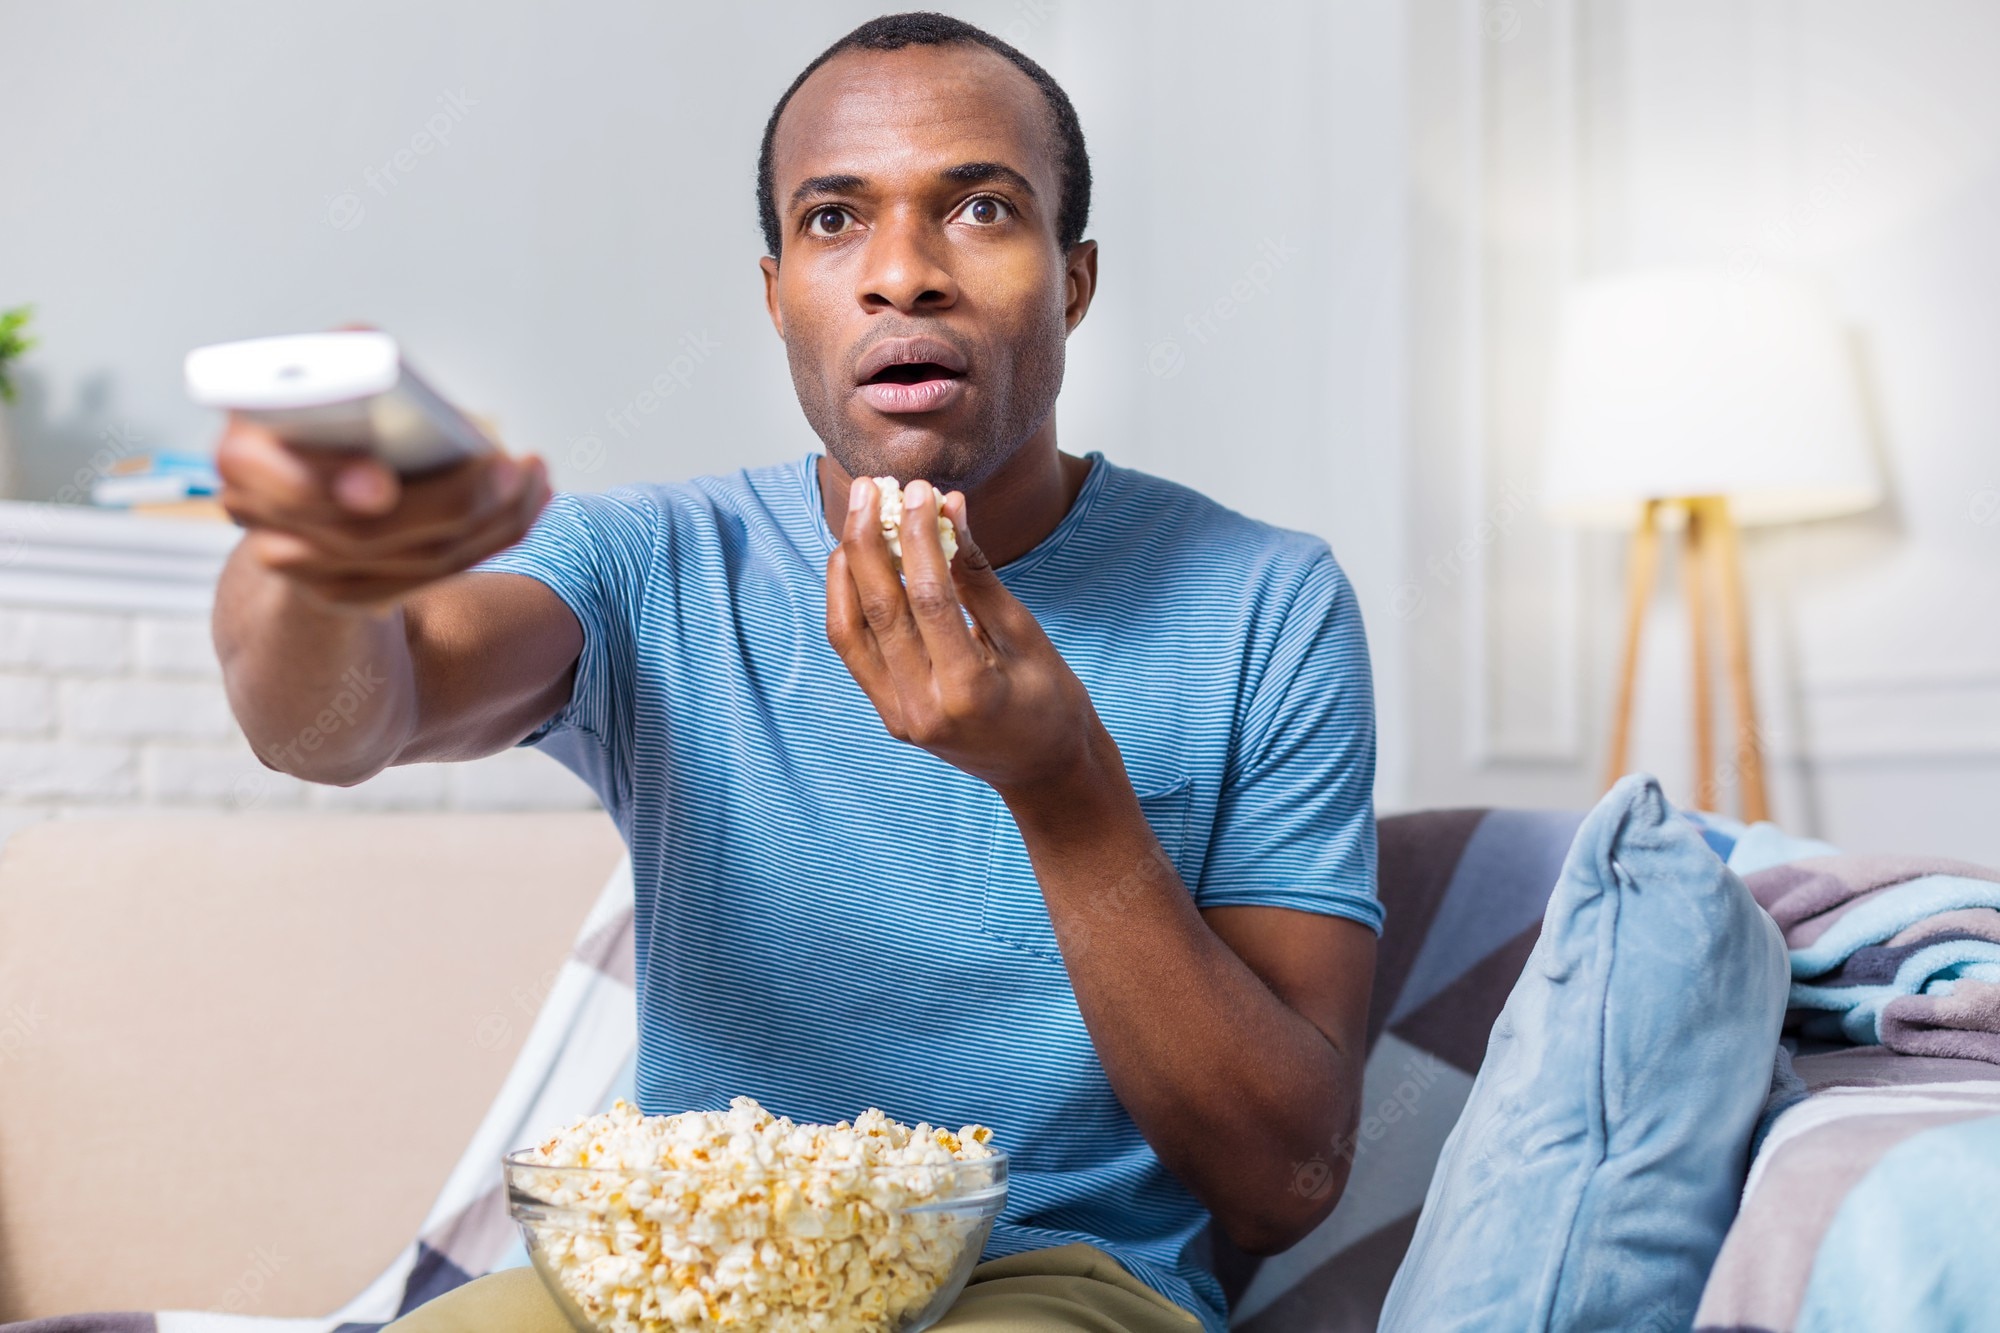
<point>743,1220</point>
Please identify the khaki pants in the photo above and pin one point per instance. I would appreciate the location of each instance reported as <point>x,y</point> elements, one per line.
<point>1042,1291</point>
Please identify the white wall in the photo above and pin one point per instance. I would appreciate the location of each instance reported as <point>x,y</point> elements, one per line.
<point>207,170</point>
<point>1854,140</point>
<point>1249,337</point>
<point>1405,189</point>
<point>1866,146</point>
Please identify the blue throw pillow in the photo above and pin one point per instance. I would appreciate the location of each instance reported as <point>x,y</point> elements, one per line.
<point>1599,1158</point>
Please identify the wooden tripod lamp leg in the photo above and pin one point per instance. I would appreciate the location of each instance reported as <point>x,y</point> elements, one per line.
<point>1641,567</point>
<point>1727,559</point>
<point>1694,584</point>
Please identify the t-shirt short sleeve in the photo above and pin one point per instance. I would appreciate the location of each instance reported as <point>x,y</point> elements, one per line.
<point>1295,819</point>
<point>594,552</point>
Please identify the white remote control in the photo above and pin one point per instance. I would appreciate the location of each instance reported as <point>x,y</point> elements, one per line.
<point>337,391</point>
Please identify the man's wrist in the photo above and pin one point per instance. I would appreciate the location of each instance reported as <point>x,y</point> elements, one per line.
<point>1078,796</point>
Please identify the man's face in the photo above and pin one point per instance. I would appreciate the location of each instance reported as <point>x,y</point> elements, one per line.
<point>921,293</point>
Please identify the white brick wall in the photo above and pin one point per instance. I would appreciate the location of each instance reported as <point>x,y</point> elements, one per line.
<point>176,646</point>
<point>27,705</point>
<point>68,642</point>
<point>58,770</point>
<point>102,712</point>
<point>136,709</point>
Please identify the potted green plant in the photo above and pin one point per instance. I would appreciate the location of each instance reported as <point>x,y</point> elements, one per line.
<point>14,341</point>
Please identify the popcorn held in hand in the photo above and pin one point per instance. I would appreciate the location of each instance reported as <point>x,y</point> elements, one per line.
<point>892,523</point>
<point>765,1224</point>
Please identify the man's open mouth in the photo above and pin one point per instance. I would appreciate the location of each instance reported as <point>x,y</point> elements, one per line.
<point>911,375</point>
<point>913,372</point>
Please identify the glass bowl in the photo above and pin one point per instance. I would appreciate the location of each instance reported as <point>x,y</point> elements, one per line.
<point>851,1249</point>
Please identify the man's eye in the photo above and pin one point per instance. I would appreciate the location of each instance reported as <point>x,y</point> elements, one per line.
<point>828,221</point>
<point>985,211</point>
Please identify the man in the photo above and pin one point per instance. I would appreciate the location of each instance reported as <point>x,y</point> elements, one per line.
<point>1070,836</point>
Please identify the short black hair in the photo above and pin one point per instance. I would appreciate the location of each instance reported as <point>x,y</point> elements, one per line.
<point>893,32</point>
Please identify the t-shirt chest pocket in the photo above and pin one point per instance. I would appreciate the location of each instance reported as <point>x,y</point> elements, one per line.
<point>1012,909</point>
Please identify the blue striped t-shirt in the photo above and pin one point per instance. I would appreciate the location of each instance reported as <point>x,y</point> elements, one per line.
<point>829,919</point>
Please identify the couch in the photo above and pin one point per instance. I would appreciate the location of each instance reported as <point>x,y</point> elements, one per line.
<point>239,1054</point>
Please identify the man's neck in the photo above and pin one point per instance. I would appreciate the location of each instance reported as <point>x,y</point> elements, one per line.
<point>1010,512</point>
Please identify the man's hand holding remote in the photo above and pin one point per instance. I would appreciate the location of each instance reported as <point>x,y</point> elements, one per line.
<point>338,612</point>
<point>348,530</point>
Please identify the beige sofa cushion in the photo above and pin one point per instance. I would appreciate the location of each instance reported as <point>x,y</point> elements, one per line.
<point>239,1055</point>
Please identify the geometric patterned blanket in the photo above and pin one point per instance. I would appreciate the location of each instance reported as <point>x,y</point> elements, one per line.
<point>1463,893</point>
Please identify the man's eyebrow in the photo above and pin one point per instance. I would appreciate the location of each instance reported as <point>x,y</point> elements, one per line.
<point>817,185</point>
<point>977,173</point>
<point>965,173</point>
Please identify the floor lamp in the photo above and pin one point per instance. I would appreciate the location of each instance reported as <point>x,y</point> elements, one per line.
<point>1695,401</point>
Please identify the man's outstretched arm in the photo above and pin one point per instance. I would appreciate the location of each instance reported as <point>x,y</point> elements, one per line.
<point>350,639</point>
<point>1233,1037</point>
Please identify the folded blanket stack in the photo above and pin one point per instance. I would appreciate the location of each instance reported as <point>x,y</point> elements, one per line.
<point>1901,951</point>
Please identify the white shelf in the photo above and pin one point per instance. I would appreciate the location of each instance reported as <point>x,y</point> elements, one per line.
<point>93,559</point>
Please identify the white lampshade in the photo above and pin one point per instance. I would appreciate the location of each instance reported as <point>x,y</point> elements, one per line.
<point>1695,382</point>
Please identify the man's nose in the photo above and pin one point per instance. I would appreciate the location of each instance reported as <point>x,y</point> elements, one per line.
<point>905,269</point>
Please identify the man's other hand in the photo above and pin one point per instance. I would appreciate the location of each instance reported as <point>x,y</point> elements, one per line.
<point>352,532</point>
<point>993,697</point>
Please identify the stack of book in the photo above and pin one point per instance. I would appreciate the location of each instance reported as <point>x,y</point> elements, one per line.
<point>180,485</point>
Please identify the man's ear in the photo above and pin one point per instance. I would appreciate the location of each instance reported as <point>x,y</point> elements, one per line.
<point>1079,282</point>
<point>770,267</point>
